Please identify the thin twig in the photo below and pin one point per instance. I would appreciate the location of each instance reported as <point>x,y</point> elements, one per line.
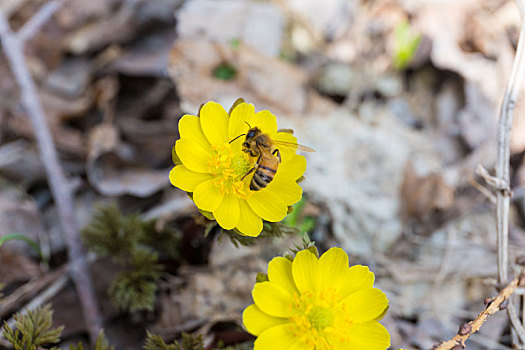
<point>493,181</point>
<point>13,48</point>
<point>493,306</point>
<point>28,291</point>
<point>43,297</point>
<point>484,191</point>
<point>503,166</point>
<point>32,26</point>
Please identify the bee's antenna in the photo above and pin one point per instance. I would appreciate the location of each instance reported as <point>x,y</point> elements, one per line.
<point>236,138</point>
<point>241,134</point>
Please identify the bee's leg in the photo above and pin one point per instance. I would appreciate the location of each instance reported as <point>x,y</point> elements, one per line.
<point>250,152</point>
<point>252,169</point>
<point>276,152</point>
<point>249,171</point>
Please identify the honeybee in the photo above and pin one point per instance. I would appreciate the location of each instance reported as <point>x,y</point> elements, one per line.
<point>260,145</point>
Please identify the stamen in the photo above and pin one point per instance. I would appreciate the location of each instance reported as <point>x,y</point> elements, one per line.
<point>319,319</point>
<point>229,168</point>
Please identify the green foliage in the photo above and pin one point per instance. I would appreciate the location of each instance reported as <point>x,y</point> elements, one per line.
<point>134,290</point>
<point>110,233</point>
<point>307,244</point>
<point>134,244</point>
<point>261,277</point>
<point>225,71</point>
<point>162,241</point>
<point>175,157</point>
<point>297,218</point>
<point>33,329</point>
<point>101,344</point>
<point>1,294</point>
<point>270,229</point>
<point>405,45</point>
<point>20,237</point>
<point>235,43</point>
<point>189,342</point>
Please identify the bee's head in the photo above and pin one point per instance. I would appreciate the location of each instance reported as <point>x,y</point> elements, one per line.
<point>252,132</point>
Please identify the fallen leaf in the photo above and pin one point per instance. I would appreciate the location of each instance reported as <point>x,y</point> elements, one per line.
<point>110,170</point>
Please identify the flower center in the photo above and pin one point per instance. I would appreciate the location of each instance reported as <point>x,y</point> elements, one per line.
<point>319,319</point>
<point>229,168</point>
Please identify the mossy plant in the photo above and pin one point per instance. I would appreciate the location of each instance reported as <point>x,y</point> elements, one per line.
<point>188,342</point>
<point>135,245</point>
<point>33,329</point>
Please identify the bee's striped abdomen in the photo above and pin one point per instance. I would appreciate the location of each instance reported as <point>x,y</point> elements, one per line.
<point>262,177</point>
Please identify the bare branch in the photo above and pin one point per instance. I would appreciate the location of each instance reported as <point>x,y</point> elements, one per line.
<point>493,306</point>
<point>13,48</point>
<point>493,181</point>
<point>503,166</point>
<point>38,20</point>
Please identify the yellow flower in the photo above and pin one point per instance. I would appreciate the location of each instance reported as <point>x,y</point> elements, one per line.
<point>317,304</point>
<point>212,168</point>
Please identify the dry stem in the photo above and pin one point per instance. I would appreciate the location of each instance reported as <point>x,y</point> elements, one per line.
<point>503,167</point>
<point>13,48</point>
<point>469,328</point>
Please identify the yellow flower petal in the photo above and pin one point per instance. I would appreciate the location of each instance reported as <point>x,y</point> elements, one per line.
<point>257,321</point>
<point>190,128</point>
<point>333,264</point>
<point>365,304</point>
<point>227,213</point>
<point>280,272</point>
<point>193,155</point>
<point>207,196</point>
<point>250,224</point>
<point>214,123</point>
<point>299,345</point>
<point>268,205</point>
<point>266,121</point>
<point>275,338</point>
<point>289,191</point>
<point>293,169</point>
<point>242,113</point>
<point>272,299</point>
<point>305,270</point>
<point>185,179</point>
<point>355,278</point>
<point>369,335</point>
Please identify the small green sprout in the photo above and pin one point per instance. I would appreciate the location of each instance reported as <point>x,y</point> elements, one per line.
<point>405,45</point>
<point>296,218</point>
<point>225,71</point>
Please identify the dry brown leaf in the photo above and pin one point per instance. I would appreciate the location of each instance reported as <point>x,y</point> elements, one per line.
<point>423,196</point>
<point>16,267</point>
<point>258,24</point>
<point>110,168</point>
<point>260,79</point>
<point>20,161</point>
<point>19,214</point>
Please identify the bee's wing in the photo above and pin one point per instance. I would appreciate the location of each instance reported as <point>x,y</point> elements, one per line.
<point>293,146</point>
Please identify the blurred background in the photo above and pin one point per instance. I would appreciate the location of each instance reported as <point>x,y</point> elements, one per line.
<point>398,98</point>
